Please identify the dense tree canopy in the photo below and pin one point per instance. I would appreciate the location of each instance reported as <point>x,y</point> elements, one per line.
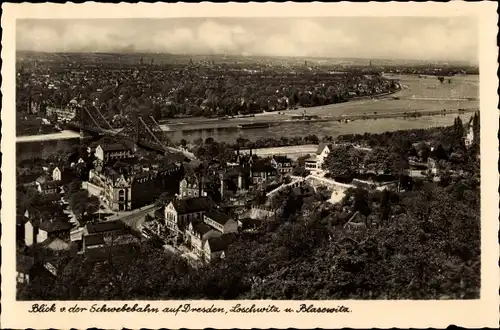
<point>344,161</point>
<point>422,244</point>
<point>83,205</point>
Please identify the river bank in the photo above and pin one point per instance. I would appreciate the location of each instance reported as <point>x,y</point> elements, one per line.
<point>320,129</point>
<point>190,120</point>
<point>414,95</point>
<point>40,148</point>
<point>245,124</point>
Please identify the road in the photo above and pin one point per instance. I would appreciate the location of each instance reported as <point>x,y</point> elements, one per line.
<point>134,218</point>
<point>63,135</point>
<point>92,188</point>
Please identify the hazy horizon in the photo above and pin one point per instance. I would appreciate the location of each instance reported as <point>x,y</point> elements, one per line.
<point>403,38</point>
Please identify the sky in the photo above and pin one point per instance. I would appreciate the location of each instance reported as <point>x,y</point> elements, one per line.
<point>412,38</point>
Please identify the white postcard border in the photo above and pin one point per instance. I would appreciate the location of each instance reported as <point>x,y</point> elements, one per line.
<point>380,314</point>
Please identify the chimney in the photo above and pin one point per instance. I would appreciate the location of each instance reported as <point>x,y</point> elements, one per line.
<point>240,181</point>
<point>200,186</point>
<point>222,186</point>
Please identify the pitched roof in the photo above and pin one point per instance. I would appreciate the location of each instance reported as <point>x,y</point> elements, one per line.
<point>282,159</point>
<point>218,217</point>
<point>321,146</point>
<point>107,226</point>
<point>114,147</point>
<point>24,263</point>
<point>53,209</point>
<point>202,228</point>
<point>229,237</point>
<point>192,205</point>
<point>57,224</point>
<point>217,244</point>
<point>55,244</point>
<point>234,172</point>
<point>43,178</point>
<point>160,214</point>
<point>262,167</point>
<point>47,213</point>
<point>117,251</point>
<point>356,220</point>
<point>250,222</point>
<point>50,184</point>
<point>51,198</point>
<point>310,158</point>
<point>91,240</point>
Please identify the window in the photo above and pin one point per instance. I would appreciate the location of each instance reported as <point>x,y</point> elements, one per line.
<point>121,195</point>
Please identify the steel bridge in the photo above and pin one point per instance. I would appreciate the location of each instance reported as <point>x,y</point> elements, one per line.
<point>145,132</point>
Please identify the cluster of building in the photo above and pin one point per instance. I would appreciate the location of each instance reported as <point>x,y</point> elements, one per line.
<point>248,170</point>
<point>55,176</point>
<point>64,114</point>
<point>128,181</point>
<point>314,163</point>
<point>194,219</point>
<point>198,224</point>
<point>53,231</point>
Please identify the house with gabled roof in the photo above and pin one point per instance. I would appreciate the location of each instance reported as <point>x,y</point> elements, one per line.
<point>92,242</point>
<point>56,244</point>
<point>190,187</point>
<point>58,227</point>
<point>221,222</point>
<point>45,225</point>
<point>130,184</point>
<point>180,212</point>
<point>310,163</point>
<point>62,175</point>
<point>112,151</point>
<point>471,132</point>
<point>261,172</point>
<point>103,234</point>
<point>24,267</point>
<point>107,227</point>
<point>216,248</point>
<point>322,152</point>
<point>356,223</point>
<point>116,227</point>
<point>49,187</point>
<point>249,224</point>
<point>197,234</point>
<point>282,164</point>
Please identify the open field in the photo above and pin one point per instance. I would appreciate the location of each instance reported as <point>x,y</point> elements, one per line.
<point>429,86</point>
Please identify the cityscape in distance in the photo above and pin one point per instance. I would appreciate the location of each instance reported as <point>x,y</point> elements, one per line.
<point>248,159</point>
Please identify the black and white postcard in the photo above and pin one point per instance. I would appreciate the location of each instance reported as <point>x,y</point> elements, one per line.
<point>250,165</point>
